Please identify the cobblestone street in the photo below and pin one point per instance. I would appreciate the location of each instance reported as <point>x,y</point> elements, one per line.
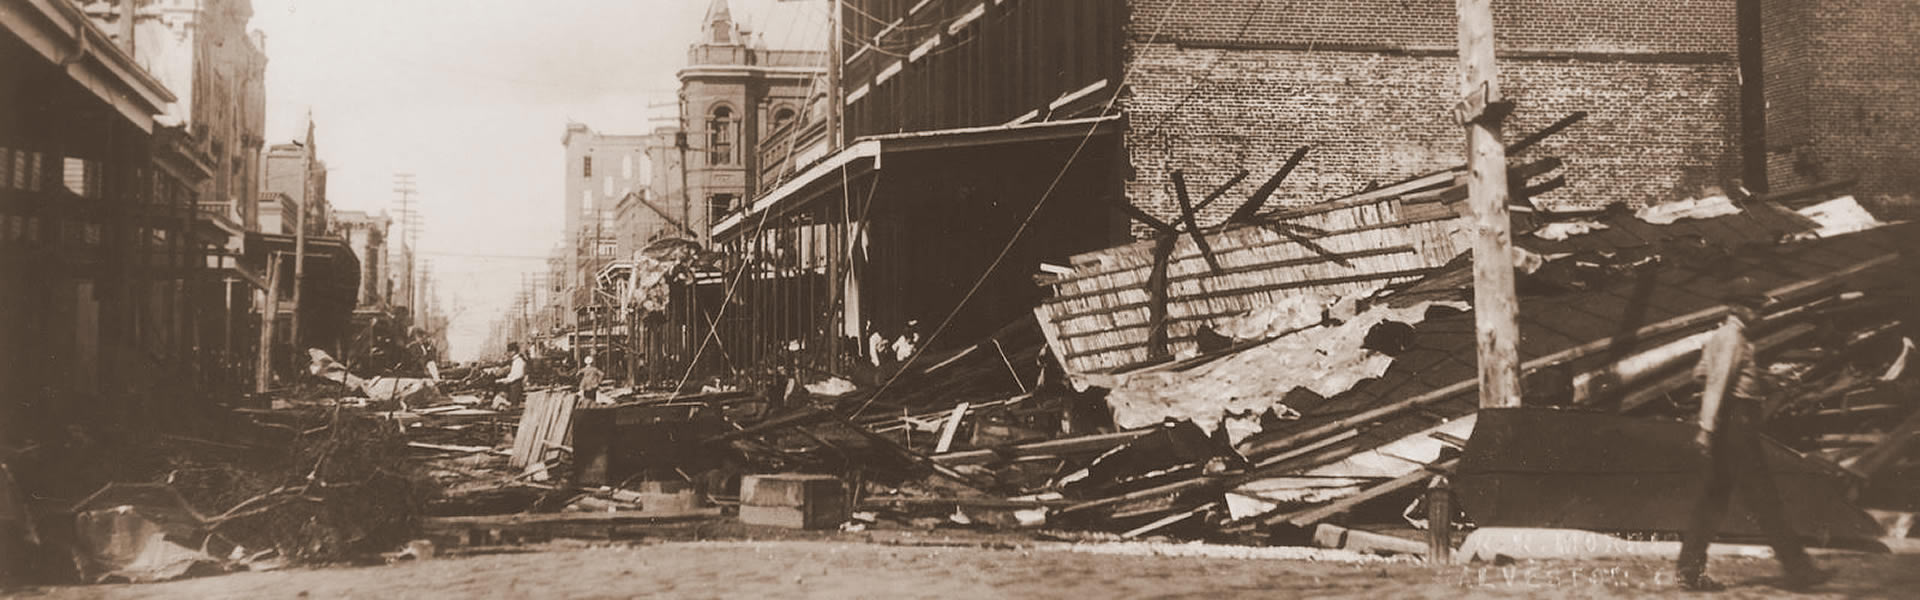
<point>831,569</point>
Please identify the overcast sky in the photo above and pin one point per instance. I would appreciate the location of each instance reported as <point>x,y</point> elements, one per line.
<point>472,96</point>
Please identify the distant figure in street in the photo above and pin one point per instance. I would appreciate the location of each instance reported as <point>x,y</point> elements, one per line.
<point>1730,421</point>
<point>516,379</point>
<point>590,378</point>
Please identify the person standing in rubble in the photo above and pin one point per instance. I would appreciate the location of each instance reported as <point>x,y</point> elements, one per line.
<point>590,378</point>
<point>516,379</point>
<point>1730,421</point>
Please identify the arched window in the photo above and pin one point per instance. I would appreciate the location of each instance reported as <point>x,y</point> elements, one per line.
<point>720,136</point>
<point>782,117</point>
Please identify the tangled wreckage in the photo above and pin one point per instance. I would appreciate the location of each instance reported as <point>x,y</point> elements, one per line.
<point>1292,376</point>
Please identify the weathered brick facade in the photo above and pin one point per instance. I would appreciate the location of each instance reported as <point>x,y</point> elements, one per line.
<point>1843,94</point>
<point>1220,85</point>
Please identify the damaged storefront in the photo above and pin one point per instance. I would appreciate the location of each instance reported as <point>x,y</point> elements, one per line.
<point>849,267</point>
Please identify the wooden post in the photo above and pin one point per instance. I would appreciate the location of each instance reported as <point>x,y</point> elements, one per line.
<point>836,129</point>
<point>1480,113</point>
<point>269,313</point>
<point>1439,521</point>
<point>300,239</point>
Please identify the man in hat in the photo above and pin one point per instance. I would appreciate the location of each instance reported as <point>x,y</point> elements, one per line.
<point>590,378</point>
<point>1730,423</point>
<point>516,379</point>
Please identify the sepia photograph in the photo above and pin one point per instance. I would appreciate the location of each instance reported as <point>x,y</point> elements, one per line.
<point>959,299</point>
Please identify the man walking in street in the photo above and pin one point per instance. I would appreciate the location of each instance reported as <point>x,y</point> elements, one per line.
<point>590,378</point>
<point>516,379</point>
<point>1730,425</point>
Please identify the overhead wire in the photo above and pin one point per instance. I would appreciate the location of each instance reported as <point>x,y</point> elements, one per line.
<point>726,299</point>
<point>1018,231</point>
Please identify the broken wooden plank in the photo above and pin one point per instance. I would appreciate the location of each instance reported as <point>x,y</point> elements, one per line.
<point>457,448</point>
<point>1074,445</point>
<point>1159,490</point>
<point>1327,535</point>
<point>1331,509</point>
<point>1254,203</point>
<point>1168,520</point>
<point>1191,220</point>
<point>1157,299</point>
<point>1221,190</point>
<point>1683,378</point>
<point>1536,137</point>
<point>598,518</point>
<point>952,426</point>
<point>917,458</point>
<point>1679,323</point>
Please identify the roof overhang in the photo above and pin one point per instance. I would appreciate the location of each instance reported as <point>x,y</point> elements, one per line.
<point>867,153</point>
<point>63,34</point>
<point>751,71</point>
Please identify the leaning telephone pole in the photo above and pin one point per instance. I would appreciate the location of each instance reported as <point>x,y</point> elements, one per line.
<point>1480,112</point>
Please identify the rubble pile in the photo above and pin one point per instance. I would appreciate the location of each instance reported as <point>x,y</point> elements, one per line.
<point>1335,407</point>
<point>1319,410</point>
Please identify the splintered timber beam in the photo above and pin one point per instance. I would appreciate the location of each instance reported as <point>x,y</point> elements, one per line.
<point>1157,289</point>
<point>1322,513</point>
<point>1523,144</point>
<point>1259,198</point>
<point>1679,323</point>
<point>1785,293</point>
<point>1684,377</point>
<point>1221,191</point>
<point>1188,218</point>
<point>917,458</point>
<point>1140,215</point>
<point>1074,445</point>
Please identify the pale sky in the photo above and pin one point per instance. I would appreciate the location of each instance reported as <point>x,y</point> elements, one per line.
<point>472,96</point>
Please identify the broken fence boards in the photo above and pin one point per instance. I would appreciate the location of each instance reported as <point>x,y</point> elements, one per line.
<point>545,423</point>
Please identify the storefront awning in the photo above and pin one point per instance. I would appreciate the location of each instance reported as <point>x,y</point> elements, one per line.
<point>868,153</point>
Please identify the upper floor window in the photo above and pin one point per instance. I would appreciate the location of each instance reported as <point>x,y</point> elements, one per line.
<point>782,117</point>
<point>586,166</point>
<point>718,205</point>
<point>720,136</point>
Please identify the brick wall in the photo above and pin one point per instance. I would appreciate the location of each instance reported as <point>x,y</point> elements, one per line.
<point>1843,94</point>
<point>1639,26</point>
<point>1369,84</point>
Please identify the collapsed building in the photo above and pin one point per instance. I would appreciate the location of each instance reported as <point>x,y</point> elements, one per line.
<point>972,161</point>
<point>1261,186</point>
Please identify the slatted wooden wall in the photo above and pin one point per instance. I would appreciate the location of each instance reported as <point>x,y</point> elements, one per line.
<point>1098,318</point>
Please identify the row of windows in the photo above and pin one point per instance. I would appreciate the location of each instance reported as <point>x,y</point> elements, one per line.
<point>23,230</point>
<point>38,172</point>
<point>723,136</point>
<point>626,168</point>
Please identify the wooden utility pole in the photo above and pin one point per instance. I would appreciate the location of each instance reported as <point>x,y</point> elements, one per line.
<point>403,185</point>
<point>1480,112</point>
<point>835,51</point>
<point>269,313</point>
<point>300,236</point>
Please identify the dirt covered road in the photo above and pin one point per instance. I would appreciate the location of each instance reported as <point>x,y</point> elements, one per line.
<point>840,569</point>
